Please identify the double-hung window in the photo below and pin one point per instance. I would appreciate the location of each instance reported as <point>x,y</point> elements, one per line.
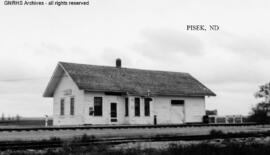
<point>137,106</point>
<point>126,106</point>
<point>97,106</point>
<point>62,107</point>
<point>147,106</point>
<point>72,105</point>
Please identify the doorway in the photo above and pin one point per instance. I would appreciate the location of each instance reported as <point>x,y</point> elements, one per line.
<point>113,112</point>
<point>177,111</point>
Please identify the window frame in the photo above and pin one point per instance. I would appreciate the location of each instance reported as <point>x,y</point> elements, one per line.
<point>126,107</point>
<point>137,107</point>
<point>147,106</point>
<point>62,107</point>
<point>72,106</point>
<point>174,102</point>
<point>98,113</point>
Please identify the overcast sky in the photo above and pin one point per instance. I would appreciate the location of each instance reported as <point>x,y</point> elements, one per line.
<point>151,34</point>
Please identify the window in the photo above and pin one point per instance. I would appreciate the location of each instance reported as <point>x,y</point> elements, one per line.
<point>177,102</point>
<point>91,111</point>
<point>147,106</point>
<point>137,106</point>
<point>126,106</point>
<point>72,106</point>
<point>97,106</point>
<point>62,107</point>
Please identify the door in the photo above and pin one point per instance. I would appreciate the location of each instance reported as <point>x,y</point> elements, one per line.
<point>177,114</point>
<point>113,112</point>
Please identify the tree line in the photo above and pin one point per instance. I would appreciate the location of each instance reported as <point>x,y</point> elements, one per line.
<point>261,111</point>
<point>10,118</point>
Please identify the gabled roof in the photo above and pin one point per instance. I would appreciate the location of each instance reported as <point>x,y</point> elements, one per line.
<point>94,78</point>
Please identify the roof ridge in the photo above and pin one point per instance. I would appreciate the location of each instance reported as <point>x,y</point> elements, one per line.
<point>152,70</point>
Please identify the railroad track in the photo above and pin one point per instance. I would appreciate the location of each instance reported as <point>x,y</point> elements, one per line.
<point>89,127</point>
<point>22,145</point>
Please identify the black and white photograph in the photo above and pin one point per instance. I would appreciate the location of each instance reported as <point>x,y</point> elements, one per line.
<point>134,77</point>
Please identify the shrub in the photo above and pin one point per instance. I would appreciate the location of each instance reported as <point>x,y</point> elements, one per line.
<point>259,113</point>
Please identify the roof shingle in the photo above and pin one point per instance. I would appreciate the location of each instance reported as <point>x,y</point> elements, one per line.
<point>134,81</point>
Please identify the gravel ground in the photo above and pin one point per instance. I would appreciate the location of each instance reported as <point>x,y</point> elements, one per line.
<point>99,133</point>
<point>163,145</point>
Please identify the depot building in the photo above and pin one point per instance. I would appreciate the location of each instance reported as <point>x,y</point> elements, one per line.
<point>90,94</point>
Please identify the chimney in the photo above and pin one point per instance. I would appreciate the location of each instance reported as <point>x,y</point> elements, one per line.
<point>118,63</point>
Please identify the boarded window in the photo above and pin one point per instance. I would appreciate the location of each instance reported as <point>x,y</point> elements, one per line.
<point>177,102</point>
<point>62,107</point>
<point>126,106</point>
<point>97,106</point>
<point>147,106</point>
<point>137,106</point>
<point>72,106</point>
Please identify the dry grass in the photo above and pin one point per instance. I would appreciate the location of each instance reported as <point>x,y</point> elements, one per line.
<point>213,147</point>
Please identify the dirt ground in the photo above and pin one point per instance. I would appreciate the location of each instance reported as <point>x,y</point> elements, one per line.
<point>163,145</point>
<point>99,133</point>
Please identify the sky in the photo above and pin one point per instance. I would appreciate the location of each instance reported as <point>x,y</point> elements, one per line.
<point>233,61</point>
